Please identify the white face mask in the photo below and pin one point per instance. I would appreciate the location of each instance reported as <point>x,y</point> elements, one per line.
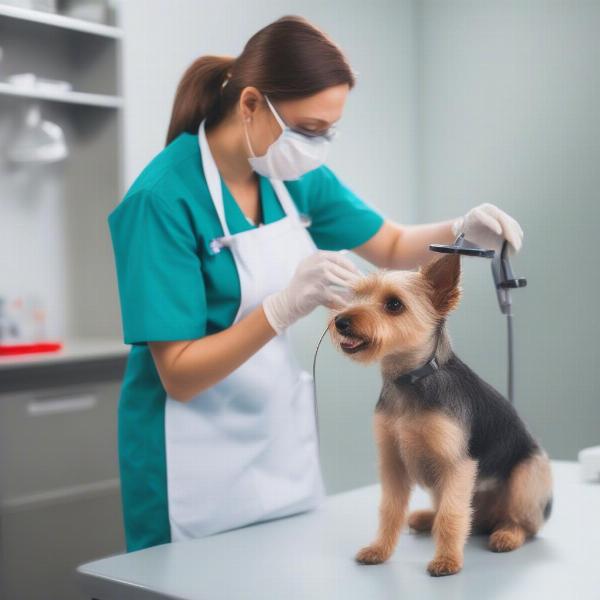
<point>291,154</point>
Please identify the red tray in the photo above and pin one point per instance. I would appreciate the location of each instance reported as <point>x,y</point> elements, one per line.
<point>11,349</point>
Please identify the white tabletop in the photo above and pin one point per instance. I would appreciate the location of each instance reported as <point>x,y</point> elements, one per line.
<point>311,556</point>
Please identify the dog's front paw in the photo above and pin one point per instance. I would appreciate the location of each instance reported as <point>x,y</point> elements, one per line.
<point>444,565</point>
<point>372,555</point>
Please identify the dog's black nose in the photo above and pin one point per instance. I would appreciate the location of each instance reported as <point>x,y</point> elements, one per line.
<point>342,323</point>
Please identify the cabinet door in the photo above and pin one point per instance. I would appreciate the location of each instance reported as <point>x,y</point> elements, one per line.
<point>60,503</point>
<point>57,439</point>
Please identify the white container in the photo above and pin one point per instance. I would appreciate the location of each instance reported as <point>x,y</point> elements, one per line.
<point>32,81</point>
<point>88,10</point>
<point>589,458</point>
<point>43,5</point>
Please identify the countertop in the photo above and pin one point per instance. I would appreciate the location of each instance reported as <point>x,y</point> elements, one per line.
<point>310,556</point>
<point>79,362</point>
<point>73,350</point>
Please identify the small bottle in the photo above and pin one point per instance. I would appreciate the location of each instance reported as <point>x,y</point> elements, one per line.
<point>3,321</point>
<point>39,324</point>
<point>32,327</point>
<point>15,321</point>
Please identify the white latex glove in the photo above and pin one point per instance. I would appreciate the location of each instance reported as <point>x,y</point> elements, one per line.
<point>488,226</point>
<point>323,278</point>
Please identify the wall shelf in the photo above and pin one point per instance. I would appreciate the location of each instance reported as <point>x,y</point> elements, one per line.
<point>56,216</point>
<point>56,20</point>
<point>69,97</point>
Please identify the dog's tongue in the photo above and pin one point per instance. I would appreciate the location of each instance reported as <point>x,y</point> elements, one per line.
<point>351,343</point>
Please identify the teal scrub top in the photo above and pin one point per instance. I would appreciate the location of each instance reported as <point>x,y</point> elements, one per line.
<point>172,287</point>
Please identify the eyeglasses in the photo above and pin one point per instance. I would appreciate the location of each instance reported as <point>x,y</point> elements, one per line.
<point>329,134</point>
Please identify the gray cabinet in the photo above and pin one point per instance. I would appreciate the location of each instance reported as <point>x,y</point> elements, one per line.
<point>59,483</point>
<point>42,545</point>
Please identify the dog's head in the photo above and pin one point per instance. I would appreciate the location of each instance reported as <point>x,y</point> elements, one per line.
<point>396,311</point>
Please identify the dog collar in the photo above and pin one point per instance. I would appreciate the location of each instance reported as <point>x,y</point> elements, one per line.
<point>431,366</point>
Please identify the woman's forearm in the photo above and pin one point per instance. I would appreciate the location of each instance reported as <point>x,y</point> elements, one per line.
<point>406,247</point>
<point>412,246</point>
<point>188,367</point>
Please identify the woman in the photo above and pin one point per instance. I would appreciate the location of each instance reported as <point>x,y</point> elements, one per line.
<point>228,236</point>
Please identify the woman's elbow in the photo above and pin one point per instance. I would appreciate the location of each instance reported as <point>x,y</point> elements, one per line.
<point>181,393</point>
<point>178,396</point>
<point>177,392</point>
<point>176,385</point>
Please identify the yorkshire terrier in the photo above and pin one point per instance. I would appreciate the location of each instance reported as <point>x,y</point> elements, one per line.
<point>438,424</point>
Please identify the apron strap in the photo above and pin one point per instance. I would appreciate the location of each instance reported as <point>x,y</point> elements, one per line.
<point>288,205</point>
<point>213,179</point>
<point>284,197</point>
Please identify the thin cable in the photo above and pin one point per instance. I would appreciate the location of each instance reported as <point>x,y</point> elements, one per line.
<point>314,374</point>
<point>511,383</point>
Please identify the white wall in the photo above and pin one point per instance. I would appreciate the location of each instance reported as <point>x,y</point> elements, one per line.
<point>509,114</point>
<point>375,153</point>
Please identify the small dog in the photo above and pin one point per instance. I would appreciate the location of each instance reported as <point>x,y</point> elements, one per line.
<point>438,424</point>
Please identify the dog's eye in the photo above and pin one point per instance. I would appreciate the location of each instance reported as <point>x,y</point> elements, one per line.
<point>393,305</point>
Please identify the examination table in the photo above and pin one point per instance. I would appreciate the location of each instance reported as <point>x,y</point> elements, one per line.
<point>310,556</point>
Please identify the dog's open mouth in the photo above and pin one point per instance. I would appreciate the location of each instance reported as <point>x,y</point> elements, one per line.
<point>352,344</point>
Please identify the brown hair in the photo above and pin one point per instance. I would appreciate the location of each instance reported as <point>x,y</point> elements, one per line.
<point>290,58</point>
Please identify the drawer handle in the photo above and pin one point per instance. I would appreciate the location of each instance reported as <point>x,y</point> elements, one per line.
<point>47,406</point>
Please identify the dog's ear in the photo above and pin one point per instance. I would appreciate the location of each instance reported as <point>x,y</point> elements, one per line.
<point>444,276</point>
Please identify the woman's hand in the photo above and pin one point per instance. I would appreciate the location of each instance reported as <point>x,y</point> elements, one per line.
<point>187,367</point>
<point>323,278</point>
<point>488,226</point>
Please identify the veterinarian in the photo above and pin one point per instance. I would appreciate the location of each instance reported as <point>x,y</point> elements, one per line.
<point>228,236</point>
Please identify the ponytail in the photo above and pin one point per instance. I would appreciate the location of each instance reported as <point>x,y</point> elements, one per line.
<point>288,59</point>
<point>198,94</point>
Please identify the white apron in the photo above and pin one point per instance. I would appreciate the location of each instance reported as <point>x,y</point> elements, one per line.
<point>245,450</point>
